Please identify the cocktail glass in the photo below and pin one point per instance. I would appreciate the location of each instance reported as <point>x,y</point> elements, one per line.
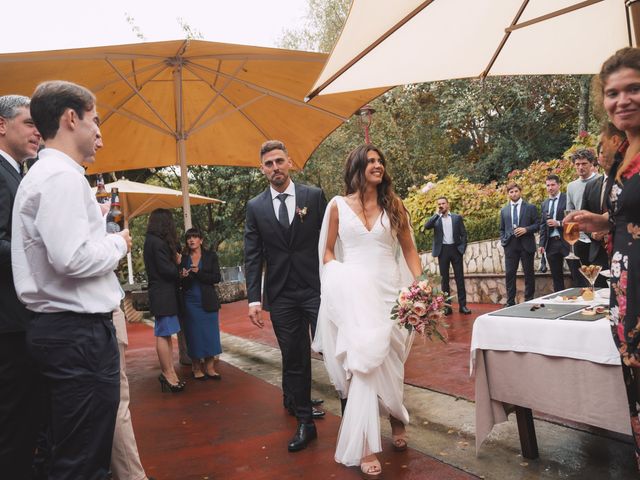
<point>571,234</point>
<point>591,272</point>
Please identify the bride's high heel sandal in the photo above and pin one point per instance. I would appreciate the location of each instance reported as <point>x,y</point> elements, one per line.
<point>371,470</point>
<point>398,440</point>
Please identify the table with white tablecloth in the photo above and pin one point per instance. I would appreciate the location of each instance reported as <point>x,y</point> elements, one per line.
<point>567,368</point>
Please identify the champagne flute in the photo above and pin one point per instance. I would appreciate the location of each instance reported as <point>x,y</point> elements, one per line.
<point>571,234</point>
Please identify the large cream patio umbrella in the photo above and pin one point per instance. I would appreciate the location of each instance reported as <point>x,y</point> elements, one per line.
<point>386,43</point>
<point>140,198</point>
<point>191,102</point>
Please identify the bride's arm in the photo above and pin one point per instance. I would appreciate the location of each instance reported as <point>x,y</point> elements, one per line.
<point>405,237</point>
<point>332,234</point>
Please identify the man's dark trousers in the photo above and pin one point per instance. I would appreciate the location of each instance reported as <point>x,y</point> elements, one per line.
<point>555,259</point>
<point>77,354</point>
<point>20,407</point>
<point>293,312</point>
<point>514,254</point>
<point>449,255</point>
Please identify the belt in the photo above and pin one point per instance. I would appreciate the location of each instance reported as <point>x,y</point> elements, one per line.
<point>95,316</point>
<point>557,237</point>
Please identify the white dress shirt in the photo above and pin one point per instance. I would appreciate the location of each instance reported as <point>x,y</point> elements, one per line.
<point>62,257</point>
<point>12,161</point>
<point>290,201</point>
<point>447,229</point>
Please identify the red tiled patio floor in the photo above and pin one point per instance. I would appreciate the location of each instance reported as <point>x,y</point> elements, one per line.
<point>434,365</point>
<point>236,428</point>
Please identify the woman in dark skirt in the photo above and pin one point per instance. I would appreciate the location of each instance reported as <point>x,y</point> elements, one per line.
<point>200,271</point>
<point>620,79</point>
<point>161,260</point>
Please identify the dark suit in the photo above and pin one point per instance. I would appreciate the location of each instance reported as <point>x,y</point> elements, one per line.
<point>208,275</point>
<point>19,383</point>
<point>162,275</point>
<point>450,254</point>
<point>595,202</point>
<point>519,249</point>
<point>291,284</point>
<point>554,246</point>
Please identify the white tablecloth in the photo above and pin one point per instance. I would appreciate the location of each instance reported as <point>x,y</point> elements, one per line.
<point>559,338</point>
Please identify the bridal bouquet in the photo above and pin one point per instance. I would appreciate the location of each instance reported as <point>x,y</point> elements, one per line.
<point>421,307</point>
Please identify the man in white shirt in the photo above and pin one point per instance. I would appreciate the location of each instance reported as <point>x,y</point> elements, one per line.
<point>449,245</point>
<point>584,161</point>
<point>63,262</point>
<point>19,381</point>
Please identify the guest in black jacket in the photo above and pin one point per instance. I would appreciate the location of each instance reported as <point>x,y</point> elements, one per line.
<point>449,245</point>
<point>199,271</point>
<point>518,224</point>
<point>161,260</point>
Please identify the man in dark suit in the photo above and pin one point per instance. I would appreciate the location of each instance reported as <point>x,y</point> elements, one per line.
<point>552,243</point>
<point>596,193</point>
<point>518,223</point>
<point>281,232</point>
<point>449,245</point>
<point>19,140</point>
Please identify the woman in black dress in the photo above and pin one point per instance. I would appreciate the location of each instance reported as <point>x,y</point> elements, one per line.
<point>620,78</point>
<point>200,272</point>
<point>161,260</point>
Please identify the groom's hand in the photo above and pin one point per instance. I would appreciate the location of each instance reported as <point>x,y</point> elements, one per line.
<point>255,315</point>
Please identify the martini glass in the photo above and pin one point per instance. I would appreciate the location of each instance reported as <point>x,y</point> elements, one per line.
<point>571,234</point>
<point>591,272</point>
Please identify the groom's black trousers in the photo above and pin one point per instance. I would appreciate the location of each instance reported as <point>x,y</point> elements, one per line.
<point>292,313</point>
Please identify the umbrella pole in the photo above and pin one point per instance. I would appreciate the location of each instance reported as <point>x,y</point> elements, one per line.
<point>129,258</point>
<point>182,151</point>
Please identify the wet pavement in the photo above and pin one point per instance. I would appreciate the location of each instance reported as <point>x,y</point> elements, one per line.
<point>237,429</point>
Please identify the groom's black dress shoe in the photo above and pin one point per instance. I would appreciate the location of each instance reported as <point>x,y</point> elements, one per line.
<point>315,412</point>
<point>304,434</point>
<point>465,310</point>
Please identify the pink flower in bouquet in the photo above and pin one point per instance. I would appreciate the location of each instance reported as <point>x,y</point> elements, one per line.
<point>419,308</point>
<point>404,296</point>
<point>413,319</point>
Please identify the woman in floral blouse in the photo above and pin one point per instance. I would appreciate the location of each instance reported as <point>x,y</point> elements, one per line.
<point>620,79</point>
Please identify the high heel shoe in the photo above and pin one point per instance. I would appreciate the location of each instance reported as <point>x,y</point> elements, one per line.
<point>165,386</point>
<point>371,470</point>
<point>398,440</point>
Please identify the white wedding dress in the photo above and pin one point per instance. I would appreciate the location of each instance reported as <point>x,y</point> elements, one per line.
<point>363,349</point>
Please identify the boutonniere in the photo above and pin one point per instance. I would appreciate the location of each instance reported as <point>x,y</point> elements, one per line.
<point>301,212</point>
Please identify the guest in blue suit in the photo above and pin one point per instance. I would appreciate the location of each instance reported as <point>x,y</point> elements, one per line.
<point>518,224</point>
<point>449,245</point>
<point>200,271</point>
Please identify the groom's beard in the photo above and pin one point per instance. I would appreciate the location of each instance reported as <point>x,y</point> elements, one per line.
<point>278,179</point>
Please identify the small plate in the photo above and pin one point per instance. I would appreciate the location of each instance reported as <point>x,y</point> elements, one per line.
<point>569,300</point>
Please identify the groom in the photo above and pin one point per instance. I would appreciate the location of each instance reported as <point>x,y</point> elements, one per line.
<point>281,233</point>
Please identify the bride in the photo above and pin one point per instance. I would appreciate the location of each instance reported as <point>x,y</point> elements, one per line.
<point>367,255</point>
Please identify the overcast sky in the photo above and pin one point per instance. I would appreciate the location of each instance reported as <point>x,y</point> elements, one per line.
<point>48,25</point>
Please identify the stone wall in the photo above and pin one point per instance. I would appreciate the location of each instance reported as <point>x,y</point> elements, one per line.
<point>484,274</point>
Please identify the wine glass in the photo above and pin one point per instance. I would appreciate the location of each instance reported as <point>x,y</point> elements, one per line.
<point>571,234</point>
<point>591,272</point>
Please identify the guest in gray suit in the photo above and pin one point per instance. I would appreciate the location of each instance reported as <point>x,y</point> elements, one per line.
<point>449,245</point>
<point>19,140</point>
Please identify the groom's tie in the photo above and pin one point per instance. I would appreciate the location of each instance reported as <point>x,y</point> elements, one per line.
<point>283,214</point>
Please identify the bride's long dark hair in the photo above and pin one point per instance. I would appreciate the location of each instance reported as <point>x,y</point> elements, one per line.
<point>355,182</point>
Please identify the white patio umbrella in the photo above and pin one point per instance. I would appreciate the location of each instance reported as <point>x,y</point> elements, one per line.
<point>140,198</point>
<point>387,43</point>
